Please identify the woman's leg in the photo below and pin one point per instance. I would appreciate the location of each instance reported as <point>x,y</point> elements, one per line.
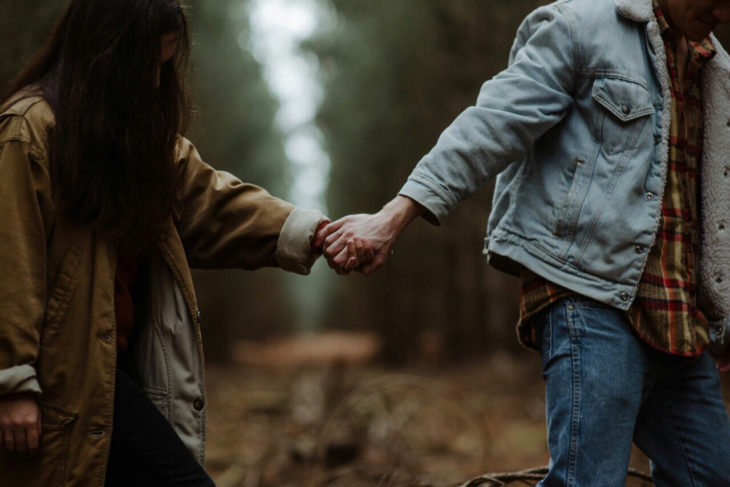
<point>145,450</point>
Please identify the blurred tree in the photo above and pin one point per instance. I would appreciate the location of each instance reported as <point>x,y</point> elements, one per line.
<point>235,131</point>
<point>396,74</point>
<point>24,26</point>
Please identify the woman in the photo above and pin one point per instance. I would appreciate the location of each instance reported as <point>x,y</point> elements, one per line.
<point>104,207</point>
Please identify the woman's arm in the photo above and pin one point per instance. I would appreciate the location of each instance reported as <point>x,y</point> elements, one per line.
<point>224,222</point>
<point>26,211</point>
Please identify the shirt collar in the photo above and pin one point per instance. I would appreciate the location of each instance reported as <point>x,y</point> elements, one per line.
<point>704,50</point>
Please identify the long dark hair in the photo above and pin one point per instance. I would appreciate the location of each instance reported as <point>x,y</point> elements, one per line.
<point>117,111</point>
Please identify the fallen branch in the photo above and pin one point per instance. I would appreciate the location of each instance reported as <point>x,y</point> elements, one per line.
<point>535,474</point>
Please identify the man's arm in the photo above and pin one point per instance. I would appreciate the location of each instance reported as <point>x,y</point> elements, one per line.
<point>364,242</point>
<point>513,110</point>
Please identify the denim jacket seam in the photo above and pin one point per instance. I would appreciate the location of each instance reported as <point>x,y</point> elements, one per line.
<point>519,240</point>
<point>573,29</point>
<point>435,187</point>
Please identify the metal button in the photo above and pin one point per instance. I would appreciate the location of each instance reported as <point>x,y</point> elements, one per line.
<point>96,434</point>
<point>639,249</point>
<point>624,296</point>
<point>649,196</point>
<point>626,109</point>
<point>105,336</point>
<point>198,404</point>
<point>657,139</point>
<point>197,316</point>
<point>571,307</point>
<point>718,280</point>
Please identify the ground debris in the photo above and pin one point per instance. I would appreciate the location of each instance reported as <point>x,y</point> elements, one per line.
<point>355,424</point>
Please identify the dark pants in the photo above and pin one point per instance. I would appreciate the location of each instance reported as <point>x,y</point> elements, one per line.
<point>145,450</point>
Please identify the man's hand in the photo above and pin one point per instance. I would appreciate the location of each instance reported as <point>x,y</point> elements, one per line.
<point>364,242</point>
<point>20,424</point>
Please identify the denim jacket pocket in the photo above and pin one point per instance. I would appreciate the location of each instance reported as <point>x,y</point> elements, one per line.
<point>621,113</point>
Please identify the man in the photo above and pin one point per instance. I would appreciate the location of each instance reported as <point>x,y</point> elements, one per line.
<point>610,134</point>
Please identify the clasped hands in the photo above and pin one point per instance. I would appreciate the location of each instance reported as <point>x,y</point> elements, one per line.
<point>364,242</point>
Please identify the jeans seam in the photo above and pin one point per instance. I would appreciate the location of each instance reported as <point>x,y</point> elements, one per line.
<point>690,470</point>
<point>575,406</point>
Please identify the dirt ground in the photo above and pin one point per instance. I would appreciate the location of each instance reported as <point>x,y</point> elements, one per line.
<point>303,415</point>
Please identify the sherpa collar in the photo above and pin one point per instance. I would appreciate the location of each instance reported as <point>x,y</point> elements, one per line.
<point>636,10</point>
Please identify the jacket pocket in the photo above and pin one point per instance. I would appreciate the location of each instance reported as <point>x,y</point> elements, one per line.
<point>161,400</point>
<point>60,297</point>
<point>621,114</point>
<point>48,467</point>
<point>569,209</point>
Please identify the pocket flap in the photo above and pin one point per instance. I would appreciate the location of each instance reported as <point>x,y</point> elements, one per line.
<point>55,417</point>
<point>626,100</point>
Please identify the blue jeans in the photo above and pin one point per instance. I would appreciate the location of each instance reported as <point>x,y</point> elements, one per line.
<point>606,388</point>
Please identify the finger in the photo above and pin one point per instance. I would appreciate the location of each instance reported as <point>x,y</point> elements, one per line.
<point>319,235</point>
<point>9,440</point>
<point>373,266</point>
<point>32,439</point>
<point>335,225</point>
<point>365,252</point>
<point>332,251</point>
<point>352,261</point>
<point>339,262</point>
<point>20,440</point>
<point>351,264</point>
<point>331,239</point>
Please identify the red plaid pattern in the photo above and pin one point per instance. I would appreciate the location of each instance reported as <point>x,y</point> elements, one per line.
<point>665,312</point>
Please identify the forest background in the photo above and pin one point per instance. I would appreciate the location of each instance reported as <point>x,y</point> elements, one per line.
<point>391,74</point>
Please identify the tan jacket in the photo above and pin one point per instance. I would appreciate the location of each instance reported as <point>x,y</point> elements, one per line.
<point>57,320</point>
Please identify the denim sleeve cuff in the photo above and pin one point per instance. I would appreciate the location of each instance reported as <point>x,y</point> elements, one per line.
<point>19,379</point>
<point>429,197</point>
<point>294,248</point>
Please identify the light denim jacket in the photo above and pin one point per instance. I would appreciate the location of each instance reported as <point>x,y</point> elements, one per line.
<point>577,129</point>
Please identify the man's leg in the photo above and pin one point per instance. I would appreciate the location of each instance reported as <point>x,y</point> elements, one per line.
<point>684,426</point>
<point>596,375</point>
<point>145,450</point>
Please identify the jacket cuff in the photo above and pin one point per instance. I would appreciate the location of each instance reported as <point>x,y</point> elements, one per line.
<point>19,379</point>
<point>437,207</point>
<point>294,248</point>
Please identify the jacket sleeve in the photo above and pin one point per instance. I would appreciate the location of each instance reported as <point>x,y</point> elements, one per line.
<point>26,210</point>
<point>512,111</point>
<point>225,223</point>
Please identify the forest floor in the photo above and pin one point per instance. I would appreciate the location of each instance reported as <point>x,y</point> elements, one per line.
<point>317,412</point>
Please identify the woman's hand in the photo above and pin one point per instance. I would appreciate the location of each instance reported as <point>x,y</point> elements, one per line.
<point>20,423</point>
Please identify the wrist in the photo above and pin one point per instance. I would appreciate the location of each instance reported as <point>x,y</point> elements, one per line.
<point>400,212</point>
